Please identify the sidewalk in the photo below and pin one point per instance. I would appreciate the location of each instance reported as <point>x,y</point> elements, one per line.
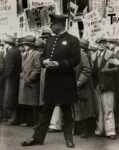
<point>11,137</point>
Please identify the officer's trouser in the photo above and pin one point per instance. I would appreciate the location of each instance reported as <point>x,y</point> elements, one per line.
<point>44,121</point>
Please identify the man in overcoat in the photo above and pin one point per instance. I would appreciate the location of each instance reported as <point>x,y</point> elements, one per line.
<point>61,55</point>
<point>104,83</point>
<point>30,80</point>
<point>86,107</point>
<point>12,69</point>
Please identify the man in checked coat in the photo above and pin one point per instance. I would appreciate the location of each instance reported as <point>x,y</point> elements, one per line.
<point>61,55</point>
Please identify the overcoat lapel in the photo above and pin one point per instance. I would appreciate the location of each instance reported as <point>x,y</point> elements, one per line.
<point>29,57</point>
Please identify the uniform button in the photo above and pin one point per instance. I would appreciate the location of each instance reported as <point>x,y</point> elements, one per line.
<point>56,38</point>
<point>53,48</point>
<point>52,52</point>
<point>51,56</point>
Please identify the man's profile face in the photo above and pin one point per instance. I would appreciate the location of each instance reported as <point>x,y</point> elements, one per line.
<point>55,27</point>
<point>26,47</point>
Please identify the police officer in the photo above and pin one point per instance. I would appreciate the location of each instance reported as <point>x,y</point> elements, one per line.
<point>61,55</point>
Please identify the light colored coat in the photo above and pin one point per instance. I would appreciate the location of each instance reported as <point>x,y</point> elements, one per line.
<point>30,79</point>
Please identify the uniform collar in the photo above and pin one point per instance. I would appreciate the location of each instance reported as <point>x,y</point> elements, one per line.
<point>62,34</point>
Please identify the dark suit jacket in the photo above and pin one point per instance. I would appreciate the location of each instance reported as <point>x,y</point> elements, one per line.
<point>104,75</point>
<point>60,83</point>
<point>11,73</point>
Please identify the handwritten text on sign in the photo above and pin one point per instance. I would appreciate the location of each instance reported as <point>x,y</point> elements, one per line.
<point>92,23</point>
<point>38,3</point>
<point>8,15</point>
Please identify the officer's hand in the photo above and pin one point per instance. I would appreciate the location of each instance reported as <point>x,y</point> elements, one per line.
<point>46,62</point>
<point>54,64</point>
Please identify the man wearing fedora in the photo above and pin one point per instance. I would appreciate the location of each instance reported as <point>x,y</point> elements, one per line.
<point>29,80</point>
<point>103,75</point>
<point>61,55</point>
<point>12,69</point>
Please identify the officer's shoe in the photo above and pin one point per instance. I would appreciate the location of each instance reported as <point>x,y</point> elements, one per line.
<point>31,142</point>
<point>70,144</point>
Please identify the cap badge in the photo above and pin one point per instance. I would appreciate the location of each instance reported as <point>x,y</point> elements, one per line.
<point>64,42</point>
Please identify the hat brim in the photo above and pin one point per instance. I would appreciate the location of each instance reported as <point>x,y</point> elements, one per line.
<point>101,40</point>
<point>13,43</point>
<point>83,46</point>
<point>27,43</point>
<point>44,36</point>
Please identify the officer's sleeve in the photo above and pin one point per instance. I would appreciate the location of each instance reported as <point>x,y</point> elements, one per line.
<point>43,57</point>
<point>74,55</point>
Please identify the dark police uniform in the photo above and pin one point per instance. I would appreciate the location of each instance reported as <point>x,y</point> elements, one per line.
<point>60,83</point>
<point>63,50</point>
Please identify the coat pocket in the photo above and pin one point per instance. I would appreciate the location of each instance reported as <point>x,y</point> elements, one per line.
<point>83,93</point>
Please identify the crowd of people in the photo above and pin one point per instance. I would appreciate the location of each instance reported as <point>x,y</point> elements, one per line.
<point>58,83</point>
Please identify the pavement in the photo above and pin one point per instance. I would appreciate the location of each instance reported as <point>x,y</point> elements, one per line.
<point>11,137</point>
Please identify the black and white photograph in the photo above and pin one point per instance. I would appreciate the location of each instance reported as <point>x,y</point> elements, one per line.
<point>59,74</point>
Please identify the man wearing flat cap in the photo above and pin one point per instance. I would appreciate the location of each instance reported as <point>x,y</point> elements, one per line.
<point>103,75</point>
<point>29,79</point>
<point>61,55</point>
<point>12,68</point>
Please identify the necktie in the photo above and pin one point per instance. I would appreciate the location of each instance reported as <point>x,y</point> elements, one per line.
<point>99,59</point>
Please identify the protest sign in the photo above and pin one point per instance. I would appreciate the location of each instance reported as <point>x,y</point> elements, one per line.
<point>73,9</point>
<point>23,27</point>
<point>92,25</point>
<point>100,5</point>
<point>8,16</point>
<point>39,17</point>
<point>74,30</point>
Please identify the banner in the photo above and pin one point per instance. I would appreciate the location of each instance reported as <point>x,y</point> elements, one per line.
<point>8,16</point>
<point>39,17</point>
<point>113,19</point>
<point>113,11</point>
<point>39,3</point>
